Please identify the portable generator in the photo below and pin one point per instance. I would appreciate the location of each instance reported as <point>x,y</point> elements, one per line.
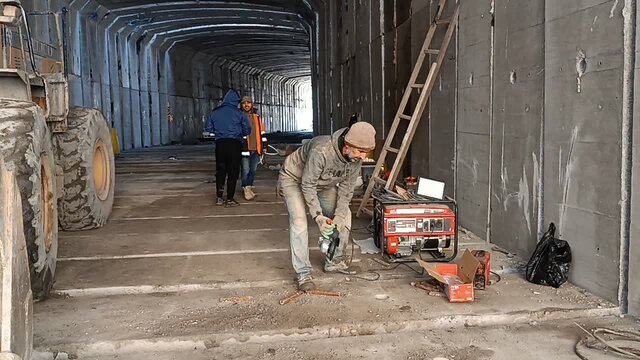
<point>421,224</point>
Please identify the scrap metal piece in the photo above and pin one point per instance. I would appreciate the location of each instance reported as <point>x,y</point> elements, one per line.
<point>236,299</point>
<point>432,290</point>
<point>296,295</point>
<point>323,293</point>
<point>292,297</point>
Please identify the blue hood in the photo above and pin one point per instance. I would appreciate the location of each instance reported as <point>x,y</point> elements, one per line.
<point>231,98</point>
<point>227,121</point>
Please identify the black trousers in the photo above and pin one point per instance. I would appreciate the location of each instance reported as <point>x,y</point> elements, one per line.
<point>228,157</point>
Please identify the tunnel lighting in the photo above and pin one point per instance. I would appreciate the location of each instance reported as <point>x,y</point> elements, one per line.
<point>226,19</point>
<point>181,5</point>
<point>213,26</point>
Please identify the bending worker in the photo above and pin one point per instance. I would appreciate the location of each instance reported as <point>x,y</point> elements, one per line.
<point>253,148</point>
<point>321,175</point>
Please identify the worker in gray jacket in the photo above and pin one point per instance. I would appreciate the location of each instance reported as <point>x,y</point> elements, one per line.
<point>321,175</point>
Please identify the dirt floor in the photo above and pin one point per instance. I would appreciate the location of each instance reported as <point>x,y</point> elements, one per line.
<point>172,276</point>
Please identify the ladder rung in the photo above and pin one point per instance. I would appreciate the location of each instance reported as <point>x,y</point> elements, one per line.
<point>443,21</point>
<point>417,86</point>
<point>393,150</point>
<point>406,117</point>
<point>432,51</point>
<point>379,180</point>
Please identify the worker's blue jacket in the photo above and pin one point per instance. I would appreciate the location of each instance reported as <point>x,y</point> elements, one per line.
<point>227,121</point>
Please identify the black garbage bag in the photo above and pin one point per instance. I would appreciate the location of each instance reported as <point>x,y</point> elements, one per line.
<point>551,260</point>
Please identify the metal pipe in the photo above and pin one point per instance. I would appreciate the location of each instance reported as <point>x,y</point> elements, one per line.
<point>24,56</point>
<point>492,72</point>
<point>629,53</point>
<point>29,42</point>
<point>65,50</point>
<point>5,46</point>
<point>541,157</point>
<point>58,20</point>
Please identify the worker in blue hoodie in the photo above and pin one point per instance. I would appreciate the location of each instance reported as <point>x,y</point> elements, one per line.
<point>230,126</point>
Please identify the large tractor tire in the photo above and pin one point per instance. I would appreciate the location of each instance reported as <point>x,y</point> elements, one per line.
<point>25,148</point>
<point>86,161</point>
<point>16,302</point>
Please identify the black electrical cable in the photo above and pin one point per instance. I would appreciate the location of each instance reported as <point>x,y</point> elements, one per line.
<point>376,275</point>
<point>598,342</point>
<point>375,272</point>
<point>498,275</point>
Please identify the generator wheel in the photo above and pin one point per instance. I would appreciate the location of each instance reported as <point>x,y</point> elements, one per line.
<point>86,161</point>
<point>25,148</point>
<point>16,322</point>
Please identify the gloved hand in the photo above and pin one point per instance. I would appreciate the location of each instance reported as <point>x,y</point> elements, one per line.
<point>325,225</point>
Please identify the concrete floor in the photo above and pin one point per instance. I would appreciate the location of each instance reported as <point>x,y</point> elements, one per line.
<point>163,274</point>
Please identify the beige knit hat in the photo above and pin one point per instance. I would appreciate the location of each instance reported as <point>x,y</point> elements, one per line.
<point>361,135</point>
<point>246,99</point>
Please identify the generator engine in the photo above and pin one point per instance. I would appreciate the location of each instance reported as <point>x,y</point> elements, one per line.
<point>402,229</point>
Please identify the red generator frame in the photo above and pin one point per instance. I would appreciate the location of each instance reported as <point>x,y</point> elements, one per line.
<point>422,224</point>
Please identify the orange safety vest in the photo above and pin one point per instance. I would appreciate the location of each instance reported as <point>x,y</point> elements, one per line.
<point>256,138</point>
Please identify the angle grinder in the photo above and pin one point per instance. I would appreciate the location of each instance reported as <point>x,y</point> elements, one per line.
<point>328,245</point>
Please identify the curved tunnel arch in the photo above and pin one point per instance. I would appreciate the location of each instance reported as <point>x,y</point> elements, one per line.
<point>156,68</point>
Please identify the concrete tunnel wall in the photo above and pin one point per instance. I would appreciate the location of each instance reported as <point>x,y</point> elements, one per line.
<point>526,123</point>
<point>155,89</point>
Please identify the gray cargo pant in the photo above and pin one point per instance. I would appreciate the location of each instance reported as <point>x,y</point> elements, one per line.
<point>298,230</point>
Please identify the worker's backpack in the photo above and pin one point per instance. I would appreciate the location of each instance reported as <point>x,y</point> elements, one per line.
<point>550,261</point>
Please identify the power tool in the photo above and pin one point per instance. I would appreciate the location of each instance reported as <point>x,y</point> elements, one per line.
<point>328,245</point>
<point>421,224</point>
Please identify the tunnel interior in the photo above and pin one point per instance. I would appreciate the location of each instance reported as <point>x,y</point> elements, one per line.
<point>157,68</point>
<point>530,120</point>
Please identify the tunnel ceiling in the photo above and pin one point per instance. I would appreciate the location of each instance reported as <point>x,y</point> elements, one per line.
<point>268,35</point>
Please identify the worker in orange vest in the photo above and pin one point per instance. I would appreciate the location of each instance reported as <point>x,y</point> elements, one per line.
<point>253,147</point>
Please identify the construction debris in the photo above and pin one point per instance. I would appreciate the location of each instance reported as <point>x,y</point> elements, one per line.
<point>292,297</point>
<point>432,287</point>
<point>236,299</point>
<point>298,294</point>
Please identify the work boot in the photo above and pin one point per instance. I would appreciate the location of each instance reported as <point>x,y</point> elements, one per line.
<point>253,191</point>
<point>231,203</point>
<point>340,265</point>
<point>306,284</point>
<point>220,201</point>
<point>248,194</point>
